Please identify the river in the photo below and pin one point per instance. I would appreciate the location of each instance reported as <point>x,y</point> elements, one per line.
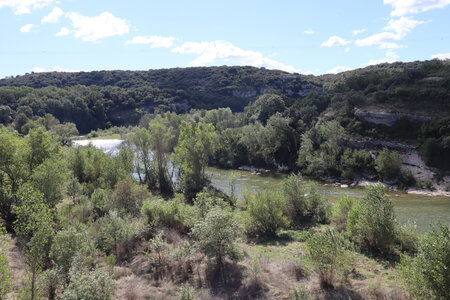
<point>421,209</point>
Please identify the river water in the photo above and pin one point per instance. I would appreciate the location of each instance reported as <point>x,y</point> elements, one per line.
<point>420,209</point>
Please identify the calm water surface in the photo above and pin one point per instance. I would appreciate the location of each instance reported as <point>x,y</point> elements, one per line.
<point>423,210</point>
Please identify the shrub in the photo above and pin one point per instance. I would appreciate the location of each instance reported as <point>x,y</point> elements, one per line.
<point>427,275</point>
<point>341,211</point>
<point>217,233</point>
<point>388,164</point>
<point>206,200</point>
<point>407,237</point>
<point>299,293</point>
<point>128,196</point>
<point>265,213</point>
<point>328,255</point>
<point>406,179</point>
<point>173,214</point>
<point>296,205</point>
<point>186,292</point>
<point>371,221</point>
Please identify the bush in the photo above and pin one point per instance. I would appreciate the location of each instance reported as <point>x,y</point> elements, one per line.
<point>186,292</point>
<point>129,196</point>
<point>388,164</point>
<point>296,205</point>
<point>328,255</point>
<point>407,237</point>
<point>406,180</point>
<point>427,275</point>
<point>265,213</point>
<point>217,233</point>
<point>341,211</point>
<point>371,221</point>
<point>173,214</point>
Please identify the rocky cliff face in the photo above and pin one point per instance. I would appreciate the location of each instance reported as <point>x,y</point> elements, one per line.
<point>384,118</point>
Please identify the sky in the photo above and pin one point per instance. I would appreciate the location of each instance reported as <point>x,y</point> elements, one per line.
<point>307,37</point>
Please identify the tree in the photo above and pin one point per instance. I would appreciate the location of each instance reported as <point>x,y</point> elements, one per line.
<point>35,224</point>
<point>64,133</point>
<point>265,213</point>
<point>264,107</point>
<point>371,221</point>
<point>388,164</point>
<point>217,233</point>
<point>49,178</point>
<point>128,196</point>
<point>160,138</point>
<point>327,253</point>
<point>142,141</point>
<point>427,275</point>
<point>40,147</point>
<point>195,145</point>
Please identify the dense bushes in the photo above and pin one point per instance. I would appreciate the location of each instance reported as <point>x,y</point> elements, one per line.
<point>388,164</point>
<point>427,275</point>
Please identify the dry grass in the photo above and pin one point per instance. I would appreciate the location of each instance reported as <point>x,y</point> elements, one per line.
<point>17,263</point>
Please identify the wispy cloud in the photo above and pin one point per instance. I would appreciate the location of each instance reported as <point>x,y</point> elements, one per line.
<point>20,7</point>
<point>27,28</point>
<point>214,51</point>
<point>308,31</point>
<point>154,41</point>
<point>406,7</point>
<point>358,31</point>
<point>335,41</point>
<point>90,29</point>
<point>442,56</point>
<point>395,30</point>
<point>53,16</point>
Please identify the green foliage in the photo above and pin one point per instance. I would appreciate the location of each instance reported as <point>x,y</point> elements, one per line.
<point>128,197</point>
<point>64,133</point>
<point>217,233</point>
<point>371,221</point>
<point>264,107</point>
<point>388,164</point>
<point>88,284</point>
<point>328,254</point>
<point>114,234</point>
<point>40,146</point>
<point>195,146</point>
<point>426,276</point>
<point>173,214</point>
<point>49,178</point>
<point>407,237</point>
<point>264,214</point>
<point>341,212</point>
<point>355,161</point>
<point>186,292</point>
<point>66,244</point>
<point>206,200</point>
<point>5,270</point>
<point>406,179</point>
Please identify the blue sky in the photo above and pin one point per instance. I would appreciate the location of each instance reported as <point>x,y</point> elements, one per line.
<point>309,37</point>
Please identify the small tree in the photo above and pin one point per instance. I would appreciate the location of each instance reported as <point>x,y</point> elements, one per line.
<point>217,233</point>
<point>327,253</point>
<point>371,221</point>
<point>427,275</point>
<point>265,213</point>
<point>388,163</point>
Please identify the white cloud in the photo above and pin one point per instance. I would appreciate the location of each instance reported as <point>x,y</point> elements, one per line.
<point>347,50</point>
<point>338,69</point>
<point>53,16</point>
<point>27,28</point>
<point>21,7</point>
<point>54,69</point>
<point>63,31</point>
<point>441,56</point>
<point>395,31</point>
<point>390,57</point>
<point>405,7</point>
<point>90,29</point>
<point>308,31</point>
<point>335,41</point>
<point>154,40</point>
<point>402,26</point>
<point>358,31</point>
<point>209,52</point>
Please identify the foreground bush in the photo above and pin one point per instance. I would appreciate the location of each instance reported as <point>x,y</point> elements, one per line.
<point>341,211</point>
<point>427,276</point>
<point>371,221</point>
<point>328,255</point>
<point>265,214</point>
<point>217,233</point>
